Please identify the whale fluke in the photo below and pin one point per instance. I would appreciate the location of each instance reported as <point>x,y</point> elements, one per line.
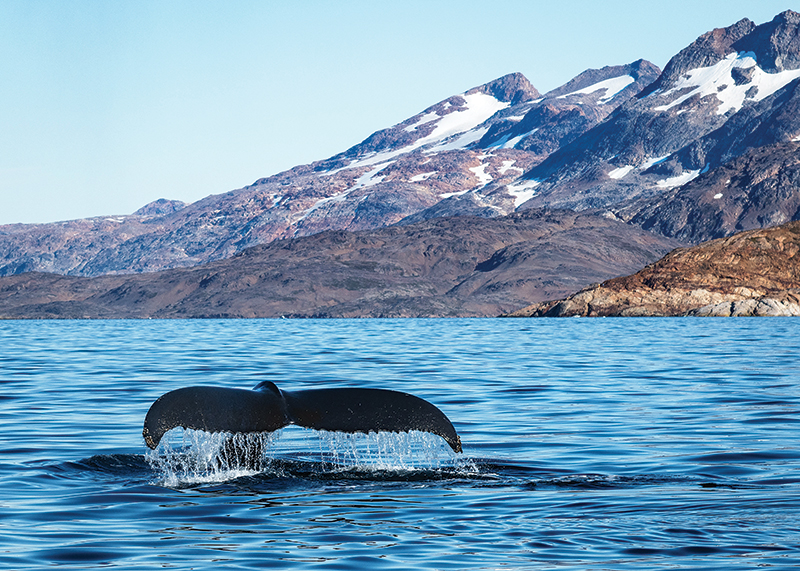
<point>266,408</point>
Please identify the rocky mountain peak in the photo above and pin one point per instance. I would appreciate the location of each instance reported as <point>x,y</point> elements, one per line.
<point>512,88</point>
<point>583,82</point>
<point>450,117</point>
<point>160,207</point>
<point>776,43</point>
<point>707,50</point>
<point>497,148</point>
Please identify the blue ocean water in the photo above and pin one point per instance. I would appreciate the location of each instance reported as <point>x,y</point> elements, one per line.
<point>588,444</point>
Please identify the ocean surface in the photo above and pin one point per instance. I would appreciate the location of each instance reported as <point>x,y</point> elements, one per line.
<point>607,444</point>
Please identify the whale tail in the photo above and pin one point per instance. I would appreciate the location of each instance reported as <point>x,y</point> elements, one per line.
<point>267,408</point>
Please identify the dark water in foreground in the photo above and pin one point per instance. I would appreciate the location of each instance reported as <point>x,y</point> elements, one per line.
<point>588,444</point>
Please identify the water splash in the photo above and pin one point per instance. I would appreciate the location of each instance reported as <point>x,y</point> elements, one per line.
<point>187,457</point>
<point>194,456</point>
<point>385,451</point>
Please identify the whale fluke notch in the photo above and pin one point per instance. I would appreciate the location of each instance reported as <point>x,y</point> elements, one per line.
<point>267,408</point>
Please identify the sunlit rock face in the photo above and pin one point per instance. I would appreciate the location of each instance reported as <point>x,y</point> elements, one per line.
<point>751,273</point>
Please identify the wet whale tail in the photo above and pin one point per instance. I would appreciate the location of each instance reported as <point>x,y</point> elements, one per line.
<point>267,408</point>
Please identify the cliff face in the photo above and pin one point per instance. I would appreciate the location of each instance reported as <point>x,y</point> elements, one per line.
<point>751,273</point>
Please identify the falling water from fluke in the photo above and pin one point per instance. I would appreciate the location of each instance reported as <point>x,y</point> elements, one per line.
<point>187,457</point>
<point>195,456</point>
<point>384,451</point>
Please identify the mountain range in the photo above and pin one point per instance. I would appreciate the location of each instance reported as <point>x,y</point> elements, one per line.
<point>701,150</point>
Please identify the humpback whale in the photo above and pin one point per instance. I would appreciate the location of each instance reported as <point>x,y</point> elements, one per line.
<point>267,408</point>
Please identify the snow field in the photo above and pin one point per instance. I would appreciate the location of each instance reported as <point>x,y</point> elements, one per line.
<point>718,80</point>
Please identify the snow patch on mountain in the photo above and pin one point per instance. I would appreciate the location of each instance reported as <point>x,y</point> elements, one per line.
<point>369,178</point>
<point>422,176</point>
<point>365,180</point>
<point>653,161</point>
<point>507,166</point>
<point>718,80</point>
<point>620,172</point>
<point>679,180</point>
<point>455,130</point>
<point>452,194</point>
<point>462,141</point>
<point>612,86</point>
<point>478,108</point>
<point>508,142</point>
<point>426,118</point>
<point>523,191</point>
<point>484,178</point>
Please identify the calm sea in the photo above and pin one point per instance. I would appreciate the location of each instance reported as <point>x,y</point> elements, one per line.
<point>588,444</point>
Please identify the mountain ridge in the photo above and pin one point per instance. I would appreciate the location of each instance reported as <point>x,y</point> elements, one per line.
<point>391,175</point>
<point>676,127</point>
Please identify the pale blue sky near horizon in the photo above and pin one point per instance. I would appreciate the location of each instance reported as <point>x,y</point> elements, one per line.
<point>107,106</point>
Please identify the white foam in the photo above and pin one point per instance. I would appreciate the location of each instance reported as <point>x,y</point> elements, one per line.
<point>192,456</point>
<point>620,172</point>
<point>188,457</point>
<point>612,86</point>
<point>384,451</point>
<point>718,80</point>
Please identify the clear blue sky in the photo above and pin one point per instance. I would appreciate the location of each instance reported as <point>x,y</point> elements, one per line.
<point>109,105</point>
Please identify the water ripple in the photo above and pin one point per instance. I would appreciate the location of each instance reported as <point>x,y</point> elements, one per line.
<point>589,444</point>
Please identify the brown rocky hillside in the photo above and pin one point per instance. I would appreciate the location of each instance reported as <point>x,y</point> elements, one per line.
<point>461,266</point>
<point>750,273</point>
